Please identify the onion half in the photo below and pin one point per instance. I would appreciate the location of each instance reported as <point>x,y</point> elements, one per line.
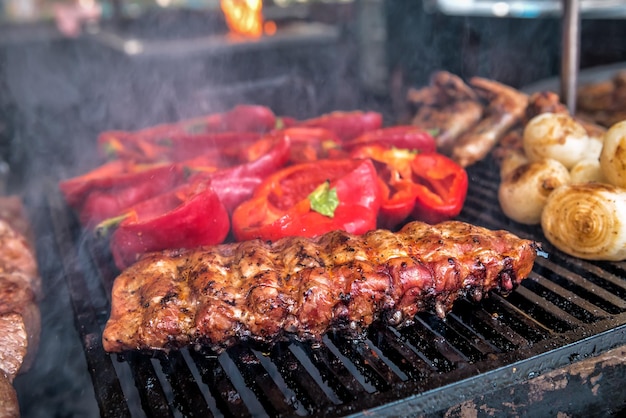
<point>587,221</point>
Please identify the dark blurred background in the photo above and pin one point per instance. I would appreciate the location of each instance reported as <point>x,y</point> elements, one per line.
<point>143,63</point>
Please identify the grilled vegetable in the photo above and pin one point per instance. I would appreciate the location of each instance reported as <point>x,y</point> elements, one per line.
<point>241,118</point>
<point>587,221</point>
<point>428,187</point>
<point>346,125</point>
<point>613,156</point>
<point>556,136</point>
<point>282,205</point>
<point>587,170</point>
<point>110,195</point>
<point>405,137</point>
<point>523,193</point>
<point>308,143</point>
<point>189,216</point>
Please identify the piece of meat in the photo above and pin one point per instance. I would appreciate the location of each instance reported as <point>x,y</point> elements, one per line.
<point>507,107</point>
<point>544,102</point>
<point>302,287</point>
<point>447,105</point>
<point>20,287</point>
<point>449,122</point>
<point>17,297</point>
<point>452,86</point>
<point>9,406</point>
<point>13,343</point>
<point>445,88</point>
<point>16,255</point>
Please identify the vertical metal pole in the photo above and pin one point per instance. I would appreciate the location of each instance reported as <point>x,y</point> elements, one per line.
<point>570,59</point>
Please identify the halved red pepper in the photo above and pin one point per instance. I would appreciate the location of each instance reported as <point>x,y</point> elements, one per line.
<point>443,187</point>
<point>282,205</point>
<point>222,146</point>
<point>76,188</point>
<point>308,143</point>
<point>400,136</point>
<point>112,187</point>
<point>237,183</point>
<point>346,125</point>
<point>424,186</point>
<point>189,216</point>
<point>241,118</point>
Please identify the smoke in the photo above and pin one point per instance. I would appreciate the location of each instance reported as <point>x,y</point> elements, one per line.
<point>59,94</point>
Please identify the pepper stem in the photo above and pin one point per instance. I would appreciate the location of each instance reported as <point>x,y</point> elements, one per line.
<point>103,228</point>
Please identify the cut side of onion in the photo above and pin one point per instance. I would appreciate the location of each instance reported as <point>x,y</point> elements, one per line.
<point>587,221</point>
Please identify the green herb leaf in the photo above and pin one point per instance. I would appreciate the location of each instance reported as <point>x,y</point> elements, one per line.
<point>109,151</point>
<point>433,132</point>
<point>324,200</point>
<point>280,123</point>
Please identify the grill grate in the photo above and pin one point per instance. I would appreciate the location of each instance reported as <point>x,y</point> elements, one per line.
<point>567,309</point>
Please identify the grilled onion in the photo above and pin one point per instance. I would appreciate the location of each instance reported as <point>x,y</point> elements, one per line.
<point>613,156</point>
<point>523,192</point>
<point>557,136</point>
<point>587,170</point>
<point>587,221</point>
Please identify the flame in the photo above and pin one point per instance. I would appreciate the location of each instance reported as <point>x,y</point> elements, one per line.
<point>244,17</point>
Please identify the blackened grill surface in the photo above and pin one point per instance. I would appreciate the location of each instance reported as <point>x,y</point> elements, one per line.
<point>568,309</point>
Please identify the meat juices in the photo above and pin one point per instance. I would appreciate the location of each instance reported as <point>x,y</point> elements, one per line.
<point>300,287</point>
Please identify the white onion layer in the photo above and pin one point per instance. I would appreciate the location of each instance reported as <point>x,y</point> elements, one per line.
<point>587,221</point>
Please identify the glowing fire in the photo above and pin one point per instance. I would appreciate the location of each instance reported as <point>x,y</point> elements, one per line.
<point>245,17</point>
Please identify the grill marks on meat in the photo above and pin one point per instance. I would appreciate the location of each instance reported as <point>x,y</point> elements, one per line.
<point>254,290</point>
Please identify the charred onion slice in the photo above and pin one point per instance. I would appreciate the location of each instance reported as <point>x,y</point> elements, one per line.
<point>587,221</point>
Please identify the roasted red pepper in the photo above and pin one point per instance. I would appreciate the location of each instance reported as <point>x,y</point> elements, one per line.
<point>310,199</point>
<point>443,187</point>
<point>108,190</point>
<point>76,188</point>
<point>242,118</point>
<point>401,136</point>
<point>346,125</point>
<point>237,183</point>
<point>423,186</point>
<point>309,144</point>
<point>222,146</point>
<point>188,216</point>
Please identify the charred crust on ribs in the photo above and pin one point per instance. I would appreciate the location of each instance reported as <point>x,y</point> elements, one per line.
<point>304,288</point>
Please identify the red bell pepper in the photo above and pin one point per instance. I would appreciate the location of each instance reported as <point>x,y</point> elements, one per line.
<point>241,118</point>
<point>401,136</point>
<point>111,196</point>
<point>118,181</point>
<point>237,183</point>
<point>309,144</point>
<point>424,186</point>
<point>310,199</point>
<point>347,125</point>
<point>248,118</point>
<point>443,187</point>
<point>76,188</point>
<point>189,216</point>
<point>222,146</point>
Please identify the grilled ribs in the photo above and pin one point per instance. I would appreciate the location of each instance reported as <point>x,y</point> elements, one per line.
<point>302,287</point>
